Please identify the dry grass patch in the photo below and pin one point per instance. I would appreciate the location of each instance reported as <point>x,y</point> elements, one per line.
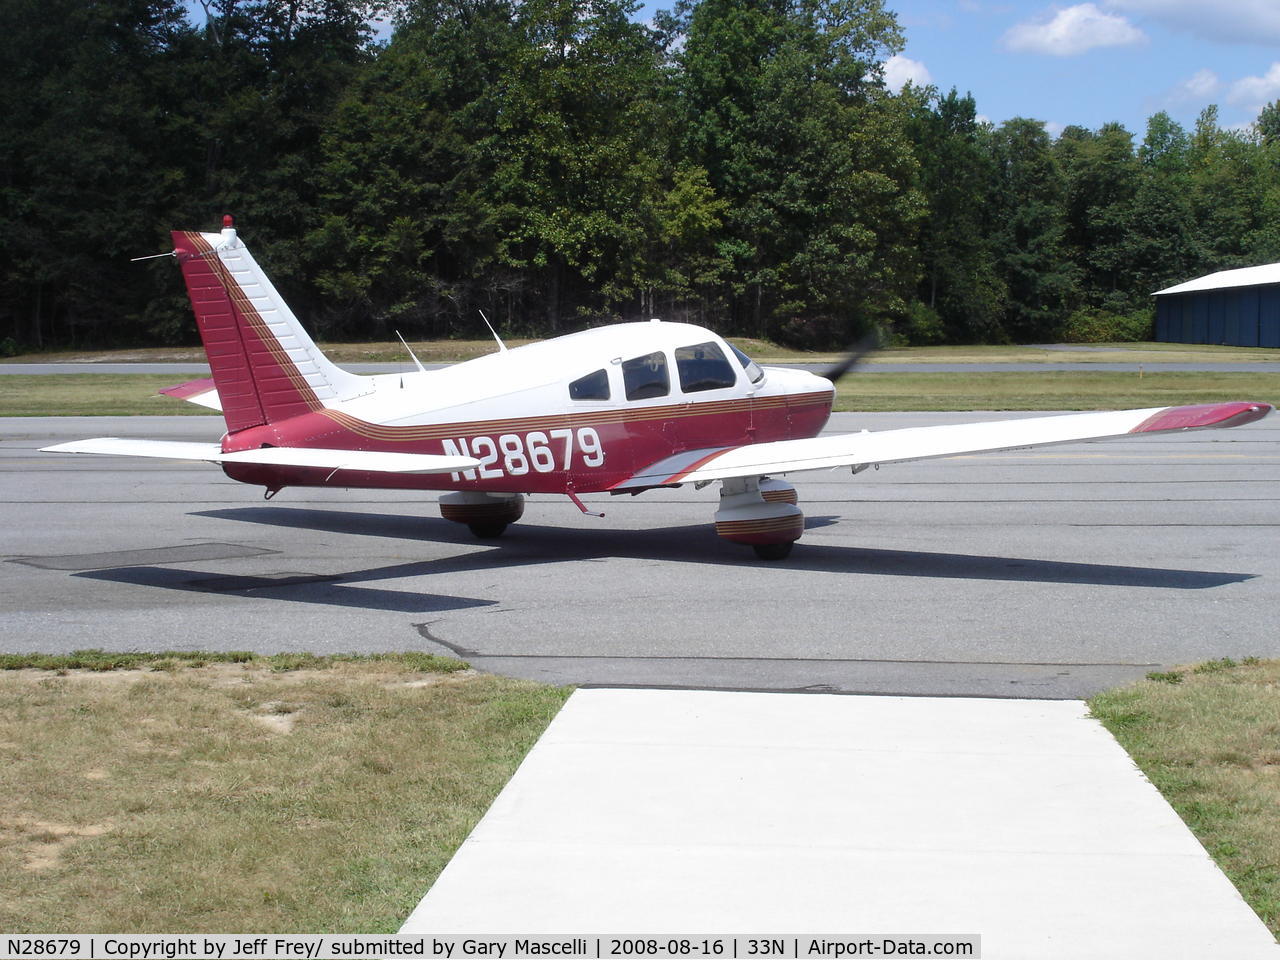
<point>1208,737</point>
<point>238,796</point>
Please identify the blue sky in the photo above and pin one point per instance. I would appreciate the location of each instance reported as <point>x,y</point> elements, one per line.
<point>1096,62</point>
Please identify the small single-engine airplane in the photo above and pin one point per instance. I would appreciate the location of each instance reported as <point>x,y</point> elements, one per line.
<point>623,408</point>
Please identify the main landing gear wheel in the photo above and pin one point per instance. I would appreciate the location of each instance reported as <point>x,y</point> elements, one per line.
<point>760,513</point>
<point>772,551</point>
<point>486,515</point>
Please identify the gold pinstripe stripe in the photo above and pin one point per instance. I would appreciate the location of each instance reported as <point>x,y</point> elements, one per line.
<point>759,526</point>
<point>780,496</point>
<point>440,431</point>
<point>241,302</point>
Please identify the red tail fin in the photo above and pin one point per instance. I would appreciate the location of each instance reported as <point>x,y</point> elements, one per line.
<point>264,365</point>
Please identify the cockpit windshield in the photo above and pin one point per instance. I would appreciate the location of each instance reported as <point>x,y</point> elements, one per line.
<point>754,371</point>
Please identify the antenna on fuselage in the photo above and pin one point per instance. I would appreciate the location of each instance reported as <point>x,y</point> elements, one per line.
<point>502,347</point>
<point>417,362</point>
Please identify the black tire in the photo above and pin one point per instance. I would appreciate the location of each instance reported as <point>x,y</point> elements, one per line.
<point>489,530</point>
<point>772,551</point>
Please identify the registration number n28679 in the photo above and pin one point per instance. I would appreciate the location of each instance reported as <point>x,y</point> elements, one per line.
<point>538,451</point>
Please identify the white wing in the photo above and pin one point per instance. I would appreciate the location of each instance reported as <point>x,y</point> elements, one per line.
<point>922,443</point>
<point>283,456</point>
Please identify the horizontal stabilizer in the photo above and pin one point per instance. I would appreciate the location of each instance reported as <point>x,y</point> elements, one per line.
<point>165,449</point>
<point>200,391</point>
<point>923,443</point>
<point>370,461</point>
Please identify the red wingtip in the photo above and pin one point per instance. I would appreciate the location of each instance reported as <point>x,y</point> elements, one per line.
<point>1204,415</point>
<point>190,389</point>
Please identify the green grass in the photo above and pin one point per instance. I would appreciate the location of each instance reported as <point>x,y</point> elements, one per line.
<point>1150,352</point>
<point>327,795</point>
<point>1048,390</point>
<point>1210,742</point>
<point>439,351</point>
<point>92,394</point>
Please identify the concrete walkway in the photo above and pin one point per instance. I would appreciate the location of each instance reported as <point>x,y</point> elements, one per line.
<point>687,812</point>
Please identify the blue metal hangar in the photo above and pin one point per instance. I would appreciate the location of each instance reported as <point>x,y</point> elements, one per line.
<point>1237,307</point>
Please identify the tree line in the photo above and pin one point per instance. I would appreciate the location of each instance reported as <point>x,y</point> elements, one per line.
<point>735,163</point>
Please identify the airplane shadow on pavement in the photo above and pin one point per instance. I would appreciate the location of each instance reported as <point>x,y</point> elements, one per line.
<point>529,544</point>
<point>339,590</point>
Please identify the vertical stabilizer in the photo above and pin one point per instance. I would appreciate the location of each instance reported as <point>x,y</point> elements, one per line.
<point>265,366</point>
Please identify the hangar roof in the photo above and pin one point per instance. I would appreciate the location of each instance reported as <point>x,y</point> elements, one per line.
<point>1226,279</point>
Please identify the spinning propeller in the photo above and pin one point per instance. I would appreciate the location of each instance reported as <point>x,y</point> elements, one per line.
<point>863,348</point>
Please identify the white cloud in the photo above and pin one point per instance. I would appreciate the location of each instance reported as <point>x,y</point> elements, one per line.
<point>1254,93</point>
<point>898,70</point>
<point>1201,86</point>
<point>1248,94</point>
<point>1054,128</point>
<point>1072,31</point>
<point>1235,21</point>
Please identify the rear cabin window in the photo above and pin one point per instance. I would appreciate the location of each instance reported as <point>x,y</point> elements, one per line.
<point>703,367</point>
<point>594,386</point>
<point>646,376</point>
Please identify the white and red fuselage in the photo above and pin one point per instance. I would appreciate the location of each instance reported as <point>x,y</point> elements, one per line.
<point>513,412</point>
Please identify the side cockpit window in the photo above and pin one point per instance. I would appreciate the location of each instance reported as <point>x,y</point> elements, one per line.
<point>754,371</point>
<point>594,386</point>
<point>646,376</point>
<point>703,367</point>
